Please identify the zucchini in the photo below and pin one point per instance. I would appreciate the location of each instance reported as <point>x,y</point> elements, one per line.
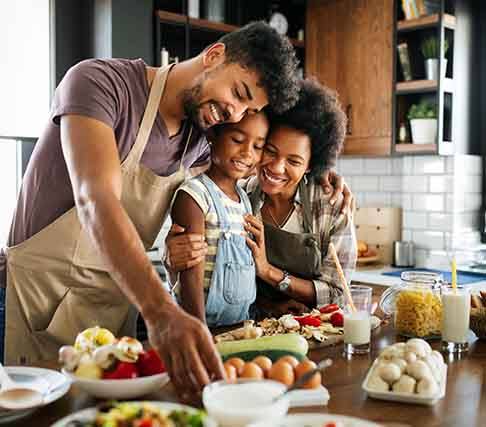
<point>273,355</point>
<point>286,342</point>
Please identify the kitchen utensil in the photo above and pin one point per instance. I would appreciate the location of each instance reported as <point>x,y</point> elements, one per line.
<point>403,254</point>
<point>17,396</point>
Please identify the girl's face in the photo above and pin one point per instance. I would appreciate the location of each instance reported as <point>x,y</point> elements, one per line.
<point>237,148</point>
<point>285,160</point>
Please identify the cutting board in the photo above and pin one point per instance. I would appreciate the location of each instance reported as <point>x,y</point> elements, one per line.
<point>331,341</point>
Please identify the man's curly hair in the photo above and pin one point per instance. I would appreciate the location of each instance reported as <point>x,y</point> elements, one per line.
<point>319,115</point>
<point>257,46</point>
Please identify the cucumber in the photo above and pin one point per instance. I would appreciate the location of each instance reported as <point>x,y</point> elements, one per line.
<point>273,355</point>
<point>285,342</point>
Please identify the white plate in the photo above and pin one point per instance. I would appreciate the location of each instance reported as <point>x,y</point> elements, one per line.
<point>58,386</point>
<point>89,414</point>
<point>405,397</point>
<point>316,420</point>
<point>120,389</point>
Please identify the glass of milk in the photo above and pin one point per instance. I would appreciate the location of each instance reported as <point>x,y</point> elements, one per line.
<point>456,307</point>
<point>357,324</point>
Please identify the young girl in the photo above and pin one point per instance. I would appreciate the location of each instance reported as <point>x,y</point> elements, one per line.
<point>221,290</point>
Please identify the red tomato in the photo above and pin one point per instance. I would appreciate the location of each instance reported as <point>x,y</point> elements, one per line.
<point>149,363</point>
<point>337,319</point>
<point>145,422</point>
<point>123,370</point>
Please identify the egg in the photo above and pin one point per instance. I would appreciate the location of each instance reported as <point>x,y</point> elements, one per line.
<point>291,360</point>
<point>306,366</point>
<point>264,362</point>
<point>237,363</point>
<point>230,372</point>
<point>283,372</point>
<point>251,370</point>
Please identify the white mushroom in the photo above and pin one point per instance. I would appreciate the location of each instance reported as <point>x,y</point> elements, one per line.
<point>390,352</point>
<point>419,370</point>
<point>406,384</point>
<point>435,366</point>
<point>418,348</point>
<point>401,363</point>
<point>105,356</point>
<point>438,357</point>
<point>427,387</point>
<point>69,357</point>
<point>376,383</point>
<point>128,349</point>
<point>410,357</point>
<point>421,342</point>
<point>389,372</point>
<point>288,322</point>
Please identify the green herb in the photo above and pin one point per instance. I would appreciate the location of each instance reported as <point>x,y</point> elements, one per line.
<point>186,419</point>
<point>430,47</point>
<point>423,110</point>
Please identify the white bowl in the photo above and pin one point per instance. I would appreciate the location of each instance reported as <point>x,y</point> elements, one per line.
<point>244,401</point>
<point>120,389</point>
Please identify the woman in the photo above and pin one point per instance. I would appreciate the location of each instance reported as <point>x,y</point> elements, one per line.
<point>294,221</point>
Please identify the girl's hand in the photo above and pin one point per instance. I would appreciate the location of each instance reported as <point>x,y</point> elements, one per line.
<point>257,246</point>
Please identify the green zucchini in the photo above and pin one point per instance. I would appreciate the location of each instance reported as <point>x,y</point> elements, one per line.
<point>273,355</point>
<point>285,342</point>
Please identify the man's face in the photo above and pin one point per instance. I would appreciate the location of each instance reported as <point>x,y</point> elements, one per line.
<point>224,93</point>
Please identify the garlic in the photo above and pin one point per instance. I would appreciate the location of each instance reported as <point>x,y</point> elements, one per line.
<point>69,357</point>
<point>406,384</point>
<point>288,322</point>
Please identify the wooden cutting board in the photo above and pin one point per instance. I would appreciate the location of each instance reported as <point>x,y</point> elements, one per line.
<point>332,340</point>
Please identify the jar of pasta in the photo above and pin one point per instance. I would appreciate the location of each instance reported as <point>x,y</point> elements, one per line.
<point>415,304</point>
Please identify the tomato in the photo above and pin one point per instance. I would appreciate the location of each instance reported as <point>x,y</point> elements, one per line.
<point>337,319</point>
<point>329,308</point>
<point>145,422</point>
<point>149,363</point>
<point>331,424</point>
<point>123,370</point>
<point>308,320</point>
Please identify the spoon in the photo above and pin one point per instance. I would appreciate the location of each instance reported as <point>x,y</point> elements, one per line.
<point>323,364</point>
<point>17,396</point>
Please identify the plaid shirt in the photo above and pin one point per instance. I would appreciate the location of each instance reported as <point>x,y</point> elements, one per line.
<point>331,227</point>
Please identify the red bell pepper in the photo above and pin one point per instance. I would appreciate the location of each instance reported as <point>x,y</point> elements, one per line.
<point>145,422</point>
<point>123,370</point>
<point>308,320</point>
<point>329,308</point>
<point>337,319</point>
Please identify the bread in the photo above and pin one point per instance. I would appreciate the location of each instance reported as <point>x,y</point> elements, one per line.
<point>362,247</point>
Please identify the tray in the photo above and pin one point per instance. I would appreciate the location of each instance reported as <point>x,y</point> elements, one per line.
<point>405,397</point>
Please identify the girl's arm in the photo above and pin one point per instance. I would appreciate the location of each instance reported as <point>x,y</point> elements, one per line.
<point>187,213</point>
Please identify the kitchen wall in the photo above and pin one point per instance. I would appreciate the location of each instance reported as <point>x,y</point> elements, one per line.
<point>440,199</point>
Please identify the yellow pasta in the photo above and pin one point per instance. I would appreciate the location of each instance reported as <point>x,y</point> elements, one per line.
<point>418,313</point>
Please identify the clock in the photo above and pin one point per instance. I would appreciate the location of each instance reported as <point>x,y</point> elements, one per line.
<point>279,22</point>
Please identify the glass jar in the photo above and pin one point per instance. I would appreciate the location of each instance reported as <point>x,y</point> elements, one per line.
<point>415,304</point>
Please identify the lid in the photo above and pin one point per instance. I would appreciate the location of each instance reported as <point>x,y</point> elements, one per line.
<point>427,279</point>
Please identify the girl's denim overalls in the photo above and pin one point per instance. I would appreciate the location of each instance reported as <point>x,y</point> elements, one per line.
<point>233,283</point>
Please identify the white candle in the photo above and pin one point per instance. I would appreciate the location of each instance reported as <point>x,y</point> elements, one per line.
<point>357,328</point>
<point>455,316</point>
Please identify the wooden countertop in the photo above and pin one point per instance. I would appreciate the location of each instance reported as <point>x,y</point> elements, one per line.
<point>463,405</point>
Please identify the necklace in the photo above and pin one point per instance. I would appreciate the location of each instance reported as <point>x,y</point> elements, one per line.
<point>285,219</point>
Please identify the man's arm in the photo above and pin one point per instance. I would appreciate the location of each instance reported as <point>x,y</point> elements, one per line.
<point>187,213</point>
<point>93,163</point>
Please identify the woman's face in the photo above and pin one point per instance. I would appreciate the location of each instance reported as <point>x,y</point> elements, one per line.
<point>285,160</point>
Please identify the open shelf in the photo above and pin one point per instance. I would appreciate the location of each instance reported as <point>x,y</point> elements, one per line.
<point>416,148</point>
<point>204,24</point>
<point>422,86</point>
<point>425,22</point>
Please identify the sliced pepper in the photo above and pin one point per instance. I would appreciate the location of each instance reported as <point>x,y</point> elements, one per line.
<point>308,320</point>
<point>329,308</point>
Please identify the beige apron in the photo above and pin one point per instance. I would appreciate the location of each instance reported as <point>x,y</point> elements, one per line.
<point>58,285</point>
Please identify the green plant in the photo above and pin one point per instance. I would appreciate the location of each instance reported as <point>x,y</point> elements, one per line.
<point>423,110</point>
<point>430,47</point>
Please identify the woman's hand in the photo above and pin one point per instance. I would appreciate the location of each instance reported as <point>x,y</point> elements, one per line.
<point>333,183</point>
<point>255,226</point>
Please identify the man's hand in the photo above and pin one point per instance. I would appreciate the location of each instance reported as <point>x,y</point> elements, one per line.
<point>184,250</point>
<point>186,346</point>
<point>333,183</point>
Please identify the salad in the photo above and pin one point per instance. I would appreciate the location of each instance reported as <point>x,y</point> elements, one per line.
<point>131,414</point>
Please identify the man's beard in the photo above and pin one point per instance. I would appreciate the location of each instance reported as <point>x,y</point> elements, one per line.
<point>191,101</point>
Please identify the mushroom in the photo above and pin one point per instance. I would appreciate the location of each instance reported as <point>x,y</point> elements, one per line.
<point>105,355</point>
<point>69,357</point>
<point>376,383</point>
<point>427,387</point>
<point>389,372</point>
<point>410,357</point>
<point>419,370</point>
<point>401,363</point>
<point>421,342</point>
<point>128,349</point>
<point>406,384</point>
<point>390,352</point>
<point>435,366</point>
<point>416,347</point>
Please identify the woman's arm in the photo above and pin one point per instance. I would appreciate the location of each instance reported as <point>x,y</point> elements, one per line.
<point>300,289</point>
<point>187,213</point>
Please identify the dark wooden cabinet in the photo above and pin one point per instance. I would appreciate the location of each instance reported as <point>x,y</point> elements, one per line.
<point>349,48</point>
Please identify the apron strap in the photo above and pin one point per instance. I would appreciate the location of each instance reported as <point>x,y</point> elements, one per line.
<point>188,141</point>
<point>223,218</point>
<point>306,205</point>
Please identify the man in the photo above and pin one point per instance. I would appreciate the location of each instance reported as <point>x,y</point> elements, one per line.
<point>98,188</point>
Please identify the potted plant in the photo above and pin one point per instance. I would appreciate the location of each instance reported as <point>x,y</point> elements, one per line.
<point>430,48</point>
<point>423,122</point>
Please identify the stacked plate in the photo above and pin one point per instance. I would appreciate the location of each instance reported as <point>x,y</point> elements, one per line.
<point>52,383</point>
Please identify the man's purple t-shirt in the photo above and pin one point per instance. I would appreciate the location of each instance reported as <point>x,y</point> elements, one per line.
<point>114,91</point>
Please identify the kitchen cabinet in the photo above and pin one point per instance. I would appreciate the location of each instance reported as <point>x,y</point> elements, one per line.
<point>349,48</point>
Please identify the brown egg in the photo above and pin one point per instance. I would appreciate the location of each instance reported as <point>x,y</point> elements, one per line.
<point>230,372</point>
<point>305,366</point>
<point>264,362</point>
<point>290,360</point>
<point>283,372</point>
<point>237,363</point>
<point>251,370</point>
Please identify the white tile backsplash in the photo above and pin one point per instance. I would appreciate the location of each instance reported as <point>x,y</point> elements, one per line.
<point>348,167</point>
<point>414,220</point>
<point>441,184</point>
<point>415,184</point>
<point>428,202</point>
<point>391,183</point>
<point>365,183</point>
<point>429,239</point>
<point>377,167</point>
<point>428,165</point>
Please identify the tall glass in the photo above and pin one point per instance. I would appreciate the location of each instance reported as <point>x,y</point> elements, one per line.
<point>357,325</point>
<point>456,307</point>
